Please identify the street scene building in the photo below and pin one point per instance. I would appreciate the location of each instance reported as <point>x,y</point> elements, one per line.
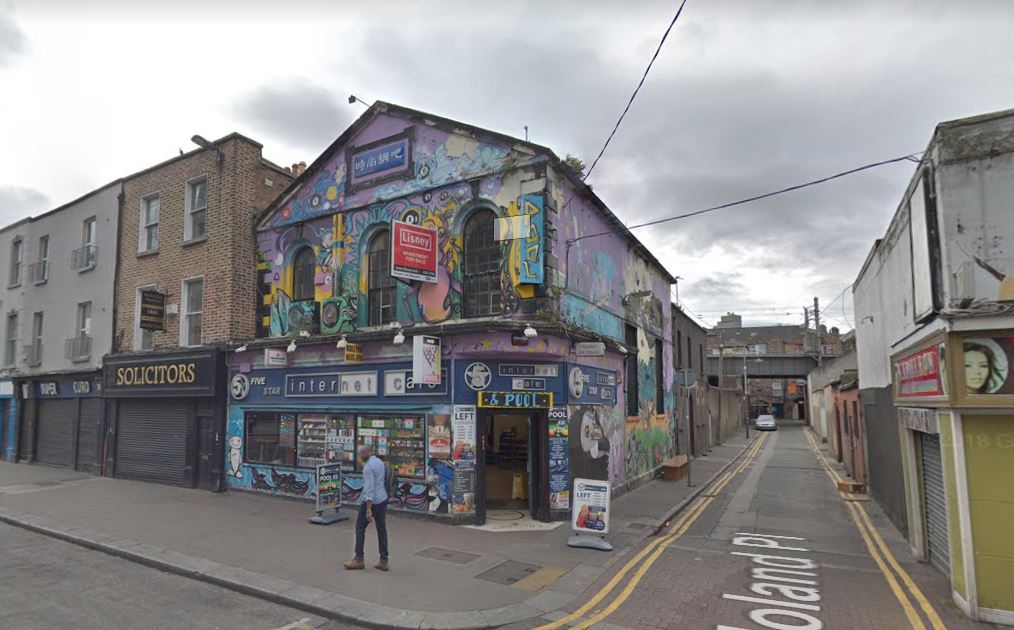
<point>933,334</point>
<point>411,227</point>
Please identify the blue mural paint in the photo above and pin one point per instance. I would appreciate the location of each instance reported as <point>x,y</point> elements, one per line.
<point>533,246</point>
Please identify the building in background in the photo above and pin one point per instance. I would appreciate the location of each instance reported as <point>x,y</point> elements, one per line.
<point>692,397</point>
<point>835,412</point>
<point>60,326</point>
<point>934,304</point>
<point>12,246</point>
<point>184,290</point>
<point>544,327</point>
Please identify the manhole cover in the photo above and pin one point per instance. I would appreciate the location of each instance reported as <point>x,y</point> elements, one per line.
<point>508,572</point>
<point>447,555</point>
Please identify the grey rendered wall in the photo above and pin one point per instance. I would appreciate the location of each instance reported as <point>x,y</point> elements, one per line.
<point>59,296</point>
<point>11,297</point>
<point>886,481</point>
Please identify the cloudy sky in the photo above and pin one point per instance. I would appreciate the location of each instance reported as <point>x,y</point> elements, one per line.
<point>746,97</point>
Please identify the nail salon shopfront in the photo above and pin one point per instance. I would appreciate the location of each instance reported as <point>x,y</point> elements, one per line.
<point>494,434</point>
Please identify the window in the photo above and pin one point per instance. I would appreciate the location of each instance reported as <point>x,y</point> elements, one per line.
<point>481,268</point>
<point>79,347</point>
<point>17,253</point>
<point>631,385</point>
<point>143,339</point>
<point>148,234</point>
<point>193,303</point>
<point>380,298</point>
<point>270,438</point>
<point>40,270</point>
<point>304,267</point>
<point>194,228</point>
<point>88,232</point>
<point>84,320</point>
<point>35,348</point>
<point>659,378</point>
<point>11,349</point>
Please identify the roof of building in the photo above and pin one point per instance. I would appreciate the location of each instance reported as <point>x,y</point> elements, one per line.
<point>382,107</point>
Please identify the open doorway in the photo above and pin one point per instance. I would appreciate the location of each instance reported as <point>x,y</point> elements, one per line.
<point>508,461</point>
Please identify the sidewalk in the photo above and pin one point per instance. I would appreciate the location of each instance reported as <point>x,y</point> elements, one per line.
<point>466,578</point>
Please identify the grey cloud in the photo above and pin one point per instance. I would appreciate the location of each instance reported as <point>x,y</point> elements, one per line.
<point>297,111</point>
<point>13,42</point>
<point>17,203</point>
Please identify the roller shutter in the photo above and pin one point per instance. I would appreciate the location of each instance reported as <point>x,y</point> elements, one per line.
<point>25,429</point>
<point>151,440</point>
<point>935,504</point>
<point>55,439</point>
<point>88,435</point>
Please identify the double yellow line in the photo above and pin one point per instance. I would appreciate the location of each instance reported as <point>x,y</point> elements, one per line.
<point>882,556</point>
<point>651,552</point>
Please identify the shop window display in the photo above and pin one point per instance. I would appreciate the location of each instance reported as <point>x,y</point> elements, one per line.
<point>398,440</point>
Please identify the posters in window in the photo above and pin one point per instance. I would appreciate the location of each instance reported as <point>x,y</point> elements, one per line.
<point>287,430</point>
<point>439,435</point>
<point>559,459</point>
<point>463,430</point>
<point>590,511</point>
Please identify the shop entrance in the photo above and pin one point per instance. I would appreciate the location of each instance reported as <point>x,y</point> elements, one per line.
<point>513,461</point>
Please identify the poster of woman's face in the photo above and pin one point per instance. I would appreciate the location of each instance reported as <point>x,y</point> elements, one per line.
<point>987,365</point>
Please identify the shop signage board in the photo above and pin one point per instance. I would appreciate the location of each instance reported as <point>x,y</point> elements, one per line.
<point>590,348</point>
<point>532,268</point>
<point>403,383</point>
<point>426,359</point>
<point>918,419</point>
<point>329,494</point>
<point>152,310</point>
<point>591,386</point>
<point>918,375</point>
<point>275,357</point>
<point>414,252</point>
<point>474,376</point>
<point>383,160</point>
<point>322,384</point>
<point>590,514</point>
<point>515,400</point>
<point>161,375</point>
<point>355,383</point>
<point>559,459</point>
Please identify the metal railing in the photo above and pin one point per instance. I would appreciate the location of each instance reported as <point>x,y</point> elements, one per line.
<point>39,272</point>
<point>79,348</point>
<point>33,354</point>
<point>84,258</point>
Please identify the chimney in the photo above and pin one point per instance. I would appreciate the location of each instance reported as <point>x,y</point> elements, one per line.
<point>834,331</point>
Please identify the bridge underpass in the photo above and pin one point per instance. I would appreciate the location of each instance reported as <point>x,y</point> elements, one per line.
<point>763,365</point>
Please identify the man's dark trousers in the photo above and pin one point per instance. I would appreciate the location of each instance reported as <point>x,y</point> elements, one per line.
<point>380,520</point>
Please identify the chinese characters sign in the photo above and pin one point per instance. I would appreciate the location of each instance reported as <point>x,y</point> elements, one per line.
<point>380,161</point>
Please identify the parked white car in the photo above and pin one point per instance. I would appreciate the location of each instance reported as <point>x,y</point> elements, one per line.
<point>766,422</point>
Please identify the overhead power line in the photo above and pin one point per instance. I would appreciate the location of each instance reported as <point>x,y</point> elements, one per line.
<point>636,90</point>
<point>773,193</point>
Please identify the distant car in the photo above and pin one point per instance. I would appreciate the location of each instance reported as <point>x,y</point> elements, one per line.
<point>766,422</point>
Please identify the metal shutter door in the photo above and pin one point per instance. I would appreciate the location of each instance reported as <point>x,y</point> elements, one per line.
<point>936,505</point>
<point>151,440</point>
<point>88,435</point>
<point>24,430</point>
<point>55,441</point>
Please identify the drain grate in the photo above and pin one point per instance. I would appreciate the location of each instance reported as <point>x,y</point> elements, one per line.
<point>508,572</point>
<point>448,555</point>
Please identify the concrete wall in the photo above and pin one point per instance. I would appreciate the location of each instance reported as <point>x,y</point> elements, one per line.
<point>58,297</point>
<point>11,294</point>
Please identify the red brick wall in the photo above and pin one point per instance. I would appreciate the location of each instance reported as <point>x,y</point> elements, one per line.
<point>237,193</point>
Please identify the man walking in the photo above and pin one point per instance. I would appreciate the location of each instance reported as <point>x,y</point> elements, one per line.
<point>372,509</point>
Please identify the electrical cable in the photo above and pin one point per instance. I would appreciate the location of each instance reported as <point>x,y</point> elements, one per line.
<point>636,90</point>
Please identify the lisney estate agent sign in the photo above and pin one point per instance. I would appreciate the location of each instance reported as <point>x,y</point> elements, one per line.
<point>413,252</point>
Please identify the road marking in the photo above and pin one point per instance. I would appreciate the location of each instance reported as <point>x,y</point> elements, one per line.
<point>881,554</point>
<point>651,552</point>
<point>302,624</point>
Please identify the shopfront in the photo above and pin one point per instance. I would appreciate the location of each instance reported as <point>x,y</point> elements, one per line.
<point>166,418</point>
<point>61,421</point>
<point>8,421</point>
<point>955,404</point>
<point>492,435</point>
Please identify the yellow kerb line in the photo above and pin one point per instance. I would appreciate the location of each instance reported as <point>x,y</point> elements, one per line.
<point>867,530</point>
<point>654,548</point>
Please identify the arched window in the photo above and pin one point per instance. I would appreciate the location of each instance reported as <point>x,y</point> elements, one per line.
<point>304,265</point>
<point>481,266</point>
<point>380,287</point>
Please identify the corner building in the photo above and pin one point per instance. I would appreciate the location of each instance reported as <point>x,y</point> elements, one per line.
<point>553,320</point>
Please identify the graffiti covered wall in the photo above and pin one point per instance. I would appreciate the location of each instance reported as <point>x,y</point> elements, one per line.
<point>337,217</point>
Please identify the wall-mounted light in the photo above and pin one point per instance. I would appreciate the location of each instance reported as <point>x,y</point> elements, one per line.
<point>204,143</point>
<point>622,349</point>
<point>530,331</point>
<point>399,338</point>
<point>342,343</point>
<point>241,348</point>
<point>353,99</point>
<point>292,347</point>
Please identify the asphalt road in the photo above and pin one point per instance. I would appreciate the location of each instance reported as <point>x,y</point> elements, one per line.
<point>50,584</point>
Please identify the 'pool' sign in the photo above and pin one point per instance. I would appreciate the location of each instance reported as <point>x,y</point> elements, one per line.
<point>515,400</point>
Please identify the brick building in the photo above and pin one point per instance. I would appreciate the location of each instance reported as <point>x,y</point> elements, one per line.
<point>187,246</point>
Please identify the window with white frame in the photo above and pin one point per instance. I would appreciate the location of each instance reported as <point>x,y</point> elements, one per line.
<point>17,254</point>
<point>148,234</point>
<point>88,232</point>
<point>35,348</point>
<point>41,273</point>
<point>193,305</point>
<point>84,320</point>
<point>195,226</point>
<point>143,339</point>
<point>11,340</point>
